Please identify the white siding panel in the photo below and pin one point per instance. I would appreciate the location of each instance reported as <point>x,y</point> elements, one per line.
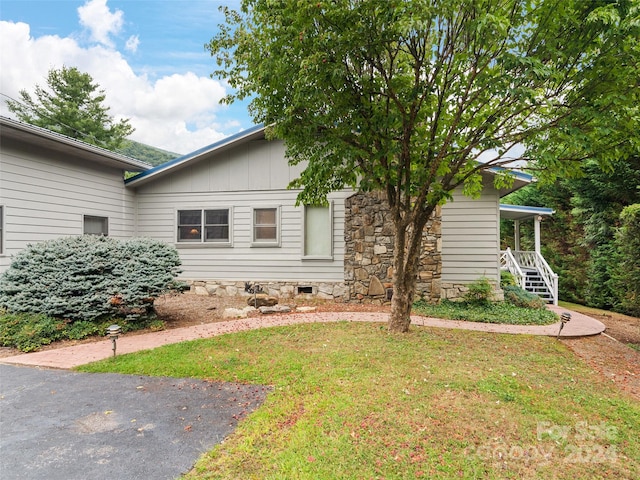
<point>45,196</point>
<point>470,237</point>
<point>242,261</point>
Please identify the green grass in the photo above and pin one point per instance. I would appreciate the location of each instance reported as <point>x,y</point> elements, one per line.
<point>501,312</point>
<point>351,401</point>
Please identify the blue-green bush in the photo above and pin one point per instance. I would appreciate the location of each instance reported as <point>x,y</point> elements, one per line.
<point>89,278</point>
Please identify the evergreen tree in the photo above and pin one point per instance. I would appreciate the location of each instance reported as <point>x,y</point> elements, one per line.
<point>579,241</point>
<point>406,97</point>
<point>73,106</point>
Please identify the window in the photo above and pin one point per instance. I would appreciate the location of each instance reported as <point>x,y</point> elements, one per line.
<point>318,232</point>
<point>96,225</point>
<point>199,226</point>
<point>265,226</point>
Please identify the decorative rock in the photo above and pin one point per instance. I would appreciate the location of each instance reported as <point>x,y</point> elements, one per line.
<point>375,287</point>
<point>238,312</point>
<point>234,313</point>
<point>306,309</point>
<point>275,309</point>
<point>262,300</point>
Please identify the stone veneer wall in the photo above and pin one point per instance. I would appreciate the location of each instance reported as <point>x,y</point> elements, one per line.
<point>282,290</point>
<point>368,260</point>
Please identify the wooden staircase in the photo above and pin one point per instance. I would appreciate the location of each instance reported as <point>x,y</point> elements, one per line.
<point>532,272</point>
<point>534,283</point>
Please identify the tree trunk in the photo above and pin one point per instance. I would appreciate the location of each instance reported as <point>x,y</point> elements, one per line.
<point>401,303</point>
<point>406,263</point>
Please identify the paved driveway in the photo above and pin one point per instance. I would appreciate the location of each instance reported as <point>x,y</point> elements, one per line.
<point>65,425</point>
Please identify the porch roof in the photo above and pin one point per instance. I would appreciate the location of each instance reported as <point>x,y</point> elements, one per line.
<point>522,212</point>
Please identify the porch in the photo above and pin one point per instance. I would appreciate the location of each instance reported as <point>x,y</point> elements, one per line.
<point>531,270</point>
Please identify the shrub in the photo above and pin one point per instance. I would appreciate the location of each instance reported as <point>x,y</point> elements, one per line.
<point>88,278</point>
<point>28,332</point>
<point>480,292</point>
<point>521,298</point>
<point>627,273</point>
<point>507,279</point>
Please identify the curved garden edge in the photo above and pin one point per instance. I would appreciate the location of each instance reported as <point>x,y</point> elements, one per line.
<point>73,356</point>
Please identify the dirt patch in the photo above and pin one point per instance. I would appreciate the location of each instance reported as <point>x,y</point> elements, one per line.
<point>186,310</point>
<point>614,353</point>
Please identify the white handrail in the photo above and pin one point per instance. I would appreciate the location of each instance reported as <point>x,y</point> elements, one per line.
<point>536,261</point>
<point>508,262</point>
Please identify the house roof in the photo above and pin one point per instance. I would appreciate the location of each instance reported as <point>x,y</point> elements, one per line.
<point>24,132</point>
<point>520,178</point>
<point>252,133</point>
<point>521,212</point>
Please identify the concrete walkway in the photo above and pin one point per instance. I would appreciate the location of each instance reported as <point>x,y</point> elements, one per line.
<point>70,357</point>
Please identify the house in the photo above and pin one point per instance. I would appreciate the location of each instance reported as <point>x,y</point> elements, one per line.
<point>52,186</point>
<point>228,211</point>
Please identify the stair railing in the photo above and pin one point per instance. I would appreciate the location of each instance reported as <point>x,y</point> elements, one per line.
<point>536,260</point>
<point>509,263</point>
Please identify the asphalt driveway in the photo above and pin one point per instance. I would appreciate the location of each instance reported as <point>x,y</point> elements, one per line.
<point>64,425</point>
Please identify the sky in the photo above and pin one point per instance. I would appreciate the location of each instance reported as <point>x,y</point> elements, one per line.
<point>147,55</point>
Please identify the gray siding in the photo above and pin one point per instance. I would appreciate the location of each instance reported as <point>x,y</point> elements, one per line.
<point>247,176</point>
<point>45,196</point>
<point>470,237</point>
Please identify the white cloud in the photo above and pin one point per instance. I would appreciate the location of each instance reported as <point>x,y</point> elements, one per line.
<point>97,18</point>
<point>177,112</point>
<point>132,43</point>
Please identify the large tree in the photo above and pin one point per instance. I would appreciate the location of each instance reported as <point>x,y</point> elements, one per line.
<point>418,97</point>
<point>73,104</point>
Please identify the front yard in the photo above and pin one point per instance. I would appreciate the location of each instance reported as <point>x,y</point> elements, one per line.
<point>351,401</point>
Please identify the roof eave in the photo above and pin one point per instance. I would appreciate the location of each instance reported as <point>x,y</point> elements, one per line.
<point>46,138</point>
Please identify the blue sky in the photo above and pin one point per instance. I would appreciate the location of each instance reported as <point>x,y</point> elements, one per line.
<point>148,55</point>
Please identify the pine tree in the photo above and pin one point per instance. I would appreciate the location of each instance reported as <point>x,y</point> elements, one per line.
<point>73,105</point>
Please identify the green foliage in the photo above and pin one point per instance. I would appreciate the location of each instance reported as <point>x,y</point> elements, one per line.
<point>89,278</point>
<point>73,106</point>
<point>405,97</point>
<point>28,332</point>
<point>578,241</point>
<point>480,292</point>
<point>500,312</point>
<point>507,279</point>
<point>146,153</point>
<point>519,297</point>
<point>627,276</point>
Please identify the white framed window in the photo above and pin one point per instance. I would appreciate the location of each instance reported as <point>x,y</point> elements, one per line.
<point>95,225</point>
<point>265,227</point>
<point>211,226</point>
<point>318,232</point>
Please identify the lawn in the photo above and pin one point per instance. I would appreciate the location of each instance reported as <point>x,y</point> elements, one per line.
<point>352,401</point>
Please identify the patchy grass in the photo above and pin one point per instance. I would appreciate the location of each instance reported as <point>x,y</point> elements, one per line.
<point>352,401</point>
<point>501,312</point>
